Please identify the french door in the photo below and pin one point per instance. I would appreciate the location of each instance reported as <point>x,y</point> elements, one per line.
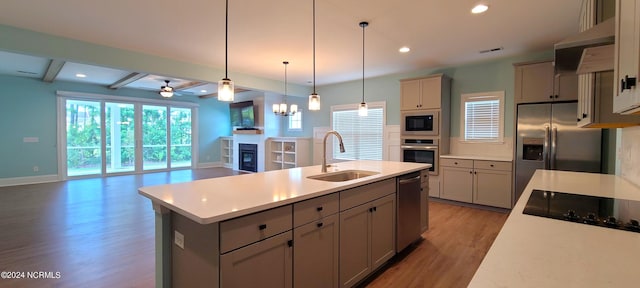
<point>108,137</point>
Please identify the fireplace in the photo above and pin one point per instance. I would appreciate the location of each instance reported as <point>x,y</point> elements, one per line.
<point>248,157</point>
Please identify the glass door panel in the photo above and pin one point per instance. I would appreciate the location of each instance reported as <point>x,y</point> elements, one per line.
<point>120,137</point>
<point>180,137</point>
<point>84,154</point>
<point>154,137</point>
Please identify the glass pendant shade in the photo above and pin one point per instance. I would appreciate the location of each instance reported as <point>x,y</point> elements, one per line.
<point>362,109</point>
<point>294,109</point>
<point>225,90</point>
<point>314,102</point>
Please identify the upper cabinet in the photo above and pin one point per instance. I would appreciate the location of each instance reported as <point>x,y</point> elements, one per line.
<point>424,93</point>
<point>626,99</point>
<point>537,82</point>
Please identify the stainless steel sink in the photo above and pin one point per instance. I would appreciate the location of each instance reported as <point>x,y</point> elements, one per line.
<point>345,175</point>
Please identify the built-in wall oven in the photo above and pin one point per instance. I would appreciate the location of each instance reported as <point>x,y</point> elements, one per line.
<point>421,150</point>
<point>420,123</point>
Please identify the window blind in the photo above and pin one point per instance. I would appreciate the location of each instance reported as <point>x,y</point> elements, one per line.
<point>362,135</point>
<point>482,118</point>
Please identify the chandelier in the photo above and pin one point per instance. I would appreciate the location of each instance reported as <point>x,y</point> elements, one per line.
<point>281,109</point>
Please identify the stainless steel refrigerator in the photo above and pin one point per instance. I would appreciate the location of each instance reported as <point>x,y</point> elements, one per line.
<point>547,138</point>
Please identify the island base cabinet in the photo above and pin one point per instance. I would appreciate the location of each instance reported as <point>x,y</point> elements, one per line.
<point>367,239</point>
<point>268,263</point>
<point>315,257</point>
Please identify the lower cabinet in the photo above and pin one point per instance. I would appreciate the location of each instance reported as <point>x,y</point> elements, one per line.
<point>367,238</point>
<point>424,201</point>
<point>267,263</point>
<point>316,251</point>
<point>477,181</point>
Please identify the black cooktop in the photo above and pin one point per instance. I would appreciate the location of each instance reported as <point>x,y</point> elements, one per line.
<point>591,210</point>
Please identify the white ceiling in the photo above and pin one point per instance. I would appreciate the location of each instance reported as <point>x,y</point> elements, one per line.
<point>264,33</point>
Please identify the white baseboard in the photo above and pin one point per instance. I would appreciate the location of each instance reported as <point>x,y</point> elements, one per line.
<point>210,164</point>
<point>28,180</point>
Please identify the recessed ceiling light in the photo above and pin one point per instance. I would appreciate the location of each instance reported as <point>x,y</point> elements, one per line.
<point>480,8</point>
<point>404,49</point>
<point>203,91</point>
<point>80,75</point>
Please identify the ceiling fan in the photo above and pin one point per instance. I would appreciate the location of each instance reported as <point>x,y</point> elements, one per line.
<point>166,91</point>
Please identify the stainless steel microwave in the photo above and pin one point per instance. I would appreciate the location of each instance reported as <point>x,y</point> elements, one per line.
<point>420,123</point>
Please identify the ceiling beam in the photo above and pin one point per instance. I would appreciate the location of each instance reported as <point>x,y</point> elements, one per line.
<point>215,95</point>
<point>189,85</point>
<point>135,76</point>
<point>54,68</point>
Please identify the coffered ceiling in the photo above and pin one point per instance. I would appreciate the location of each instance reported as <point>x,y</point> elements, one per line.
<point>264,33</point>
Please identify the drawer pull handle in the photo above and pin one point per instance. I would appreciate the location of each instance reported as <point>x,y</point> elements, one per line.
<point>319,208</point>
<point>262,226</point>
<point>455,163</point>
<point>491,165</point>
<point>319,224</point>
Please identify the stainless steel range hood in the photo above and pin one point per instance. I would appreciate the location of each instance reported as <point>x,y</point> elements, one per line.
<point>568,52</point>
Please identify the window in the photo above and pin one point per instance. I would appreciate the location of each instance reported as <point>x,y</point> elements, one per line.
<point>295,121</point>
<point>482,116</point>
<point>362,135</point>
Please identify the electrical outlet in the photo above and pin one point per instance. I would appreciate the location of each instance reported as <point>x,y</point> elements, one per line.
<point>36,168</point>
<point>178,239</point>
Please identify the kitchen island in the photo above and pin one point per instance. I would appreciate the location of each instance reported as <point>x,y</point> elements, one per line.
<point>533,251</point>
<point>209,231</point>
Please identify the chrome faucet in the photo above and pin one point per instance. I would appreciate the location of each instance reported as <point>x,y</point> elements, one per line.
<point>324,148</point>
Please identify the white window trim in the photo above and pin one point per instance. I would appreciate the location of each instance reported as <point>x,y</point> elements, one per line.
<point>355,106</point>
<point>491,95</point>
<point>301,122</point>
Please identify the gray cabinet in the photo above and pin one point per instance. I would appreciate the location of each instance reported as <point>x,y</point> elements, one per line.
<point>537,82</point>
<point>267,263</point>
<point>424,93</point>
<point>316,242</point>
<point>367,238</point>
<point>424,201</point>
<point>627,58</point>
<point>477,181</point>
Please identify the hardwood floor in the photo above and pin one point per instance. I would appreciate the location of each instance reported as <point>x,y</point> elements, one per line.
<point>452,249</point>
<point>100,233</point>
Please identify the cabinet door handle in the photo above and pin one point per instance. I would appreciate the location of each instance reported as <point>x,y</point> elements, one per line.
<point>262,226</point>
<point>475,172</point>
<point>578,119</point>
<point>550,96</point>
<point>319,224</point>
<point>375,209</point>
<point>584,115</point>
<point>555,96</point>
<point>290,243</point>
<point>319,208</point>
<point>370,209</point>
<point>470,172</point>
<point>627,83</point>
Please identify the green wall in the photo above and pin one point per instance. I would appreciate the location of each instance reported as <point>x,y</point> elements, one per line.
<point>494,75</point>
<point>29,110</point>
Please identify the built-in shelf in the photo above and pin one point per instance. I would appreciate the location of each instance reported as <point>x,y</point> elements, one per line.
<point>288,152</point>
<point>226,153</point>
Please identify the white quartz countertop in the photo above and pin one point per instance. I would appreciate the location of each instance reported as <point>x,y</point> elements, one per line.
<point>212,200</point>
<point>532,251</point>
<point>476,157</point>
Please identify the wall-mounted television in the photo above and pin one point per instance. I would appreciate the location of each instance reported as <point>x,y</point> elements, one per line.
<point>242,114</point>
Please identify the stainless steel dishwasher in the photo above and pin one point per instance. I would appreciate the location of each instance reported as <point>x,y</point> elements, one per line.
<point>408,220</point>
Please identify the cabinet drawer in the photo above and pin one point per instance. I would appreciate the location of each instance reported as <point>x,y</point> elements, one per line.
<point>363,194</point>
<point>492,165</point>
<point>314,209</point>
<point>462,163</point>
<point>245,230</point>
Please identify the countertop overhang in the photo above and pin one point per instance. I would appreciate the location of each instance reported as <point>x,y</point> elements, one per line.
<point>213,200</point>
<point>532,251</point>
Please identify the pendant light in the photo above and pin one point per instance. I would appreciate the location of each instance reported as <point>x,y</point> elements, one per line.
<point>166,91</point>
<point>225,86</point>
<point>362,109</point>
<point>314,98</point>
<point>281,109</point>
